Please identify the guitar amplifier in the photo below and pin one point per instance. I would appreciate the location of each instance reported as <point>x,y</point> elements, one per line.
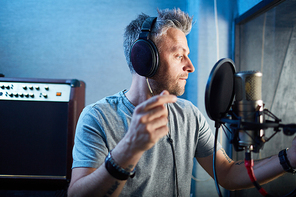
<point>37,127</point>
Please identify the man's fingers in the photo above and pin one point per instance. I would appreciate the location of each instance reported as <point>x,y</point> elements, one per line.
<point>160,122</point>
<point>149,122</point>
<point>155,113</point>
<point>157,101</point>
<point>165,92</point>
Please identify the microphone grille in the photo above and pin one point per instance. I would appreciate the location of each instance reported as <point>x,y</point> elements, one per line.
<point>248,85</point>
<point>253,87</point>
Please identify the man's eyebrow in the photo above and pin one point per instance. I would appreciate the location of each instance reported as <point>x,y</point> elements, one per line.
<point>178,47</point>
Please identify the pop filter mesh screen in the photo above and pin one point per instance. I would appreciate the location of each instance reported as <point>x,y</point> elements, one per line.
<point>220,93</point>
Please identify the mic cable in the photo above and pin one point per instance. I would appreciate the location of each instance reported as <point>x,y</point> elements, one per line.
<point>249,163</point>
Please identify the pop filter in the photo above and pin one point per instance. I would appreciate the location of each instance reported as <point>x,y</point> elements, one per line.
<point>220,89</point>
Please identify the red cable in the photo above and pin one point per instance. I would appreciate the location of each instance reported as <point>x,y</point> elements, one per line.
<point>249,166</point>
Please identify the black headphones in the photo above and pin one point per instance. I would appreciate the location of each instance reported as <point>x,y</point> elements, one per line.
<point>144,54</point>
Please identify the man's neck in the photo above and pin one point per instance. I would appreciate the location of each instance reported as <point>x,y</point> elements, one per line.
<point>139,91</point>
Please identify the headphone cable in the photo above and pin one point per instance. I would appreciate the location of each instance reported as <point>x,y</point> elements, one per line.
<point>148,84</point>
<point>170,140</point>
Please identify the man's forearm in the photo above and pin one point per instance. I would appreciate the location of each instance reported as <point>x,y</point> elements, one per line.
<point>268,169</point>
<point>265,170</point>
<point>97,183</point>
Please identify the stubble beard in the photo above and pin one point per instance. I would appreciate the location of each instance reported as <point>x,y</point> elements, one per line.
<point>158,85</point>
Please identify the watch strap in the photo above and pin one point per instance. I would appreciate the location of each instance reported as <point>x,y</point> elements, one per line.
<point>116,171</point>
<point>285,162</point>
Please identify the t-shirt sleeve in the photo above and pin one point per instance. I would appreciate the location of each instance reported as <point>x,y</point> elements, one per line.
<point>206,139</point>
<point>90,146</point>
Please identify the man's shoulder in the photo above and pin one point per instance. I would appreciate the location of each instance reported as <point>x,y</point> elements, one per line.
<point>183,103</point>
<point>111,104</point>
<point>183,106</point>
<point>107,101</point>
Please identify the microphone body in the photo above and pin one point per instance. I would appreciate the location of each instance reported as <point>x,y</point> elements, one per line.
<point>248,107</point>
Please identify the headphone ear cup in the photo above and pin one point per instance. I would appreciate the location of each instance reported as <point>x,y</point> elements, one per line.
<point>144,57</point>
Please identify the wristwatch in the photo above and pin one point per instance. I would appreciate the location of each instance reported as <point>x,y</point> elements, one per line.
<point>285,162</point>
<point>116,171</point>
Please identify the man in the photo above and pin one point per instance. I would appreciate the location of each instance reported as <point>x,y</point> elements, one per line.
<point>142,142</point>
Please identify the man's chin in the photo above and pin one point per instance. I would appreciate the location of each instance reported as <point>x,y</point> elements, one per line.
<point>178,92</point>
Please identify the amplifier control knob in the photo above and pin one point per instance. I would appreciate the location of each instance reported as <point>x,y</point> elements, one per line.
<point>21,95</point>
<point>46,87</point>
<point>32,95</point>
<point>25,87</point>
<point>37,87</point>
<point>27,95</point>
<point>31,87</point>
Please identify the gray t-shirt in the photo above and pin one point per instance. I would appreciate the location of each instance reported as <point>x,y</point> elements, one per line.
<point>103,124</point>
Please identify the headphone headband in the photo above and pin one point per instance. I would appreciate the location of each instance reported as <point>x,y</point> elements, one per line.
<point>147,26</point>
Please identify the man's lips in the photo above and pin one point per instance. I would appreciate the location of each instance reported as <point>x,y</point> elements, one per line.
<point>183,78</point>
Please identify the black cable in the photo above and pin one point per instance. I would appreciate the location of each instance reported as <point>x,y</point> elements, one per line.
<point>291,194</point>
<point>214,162</point>
<point>170,140</point>
<point>175,166</point>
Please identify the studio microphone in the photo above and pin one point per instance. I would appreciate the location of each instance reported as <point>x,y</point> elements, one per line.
<point>234,101</point>
<point>248,109</point>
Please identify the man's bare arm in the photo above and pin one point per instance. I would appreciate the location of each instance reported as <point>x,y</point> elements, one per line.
<point>233,175</point>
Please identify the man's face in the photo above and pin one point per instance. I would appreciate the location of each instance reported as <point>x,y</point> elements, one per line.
<point>174,64</point>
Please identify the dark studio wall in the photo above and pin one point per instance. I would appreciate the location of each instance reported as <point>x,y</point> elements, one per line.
<point>267,43</point>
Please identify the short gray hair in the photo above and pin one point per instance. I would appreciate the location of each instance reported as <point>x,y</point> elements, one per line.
<point>167,18</point>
